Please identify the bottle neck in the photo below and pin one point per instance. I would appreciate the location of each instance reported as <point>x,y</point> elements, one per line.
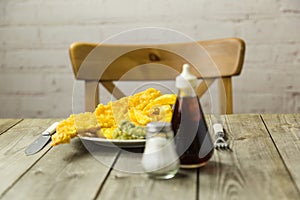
<point>186,92</point>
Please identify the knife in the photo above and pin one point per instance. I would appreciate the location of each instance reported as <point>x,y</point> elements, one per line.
<point>41,141</point>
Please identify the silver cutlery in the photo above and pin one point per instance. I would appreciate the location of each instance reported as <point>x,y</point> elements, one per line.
<point>42,140</point>
<point>220,142</point>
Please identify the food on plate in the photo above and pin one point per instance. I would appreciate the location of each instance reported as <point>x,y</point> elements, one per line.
<point>160,113</point>
<point>107,132</point>
<point>138,117</point>
<point>83,123</point>
<point>125,118</point>
<point>140,100</point>
<point>105,116</point>
<point>129,131</point>
<point>65,130</point>
<point>167,99</point>
<point>86,122</point>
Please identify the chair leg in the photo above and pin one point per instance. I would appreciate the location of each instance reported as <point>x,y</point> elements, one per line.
<point>203,86</point>
<point>225,95</point>
<point>113,89</point>
<point>91,95</point>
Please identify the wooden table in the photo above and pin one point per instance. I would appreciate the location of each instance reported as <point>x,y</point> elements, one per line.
<point>264,164</point>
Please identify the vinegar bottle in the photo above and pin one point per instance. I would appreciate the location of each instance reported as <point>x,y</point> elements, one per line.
<point>192,139</point>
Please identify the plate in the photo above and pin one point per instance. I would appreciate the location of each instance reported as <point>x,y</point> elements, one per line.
<point>137,143</point>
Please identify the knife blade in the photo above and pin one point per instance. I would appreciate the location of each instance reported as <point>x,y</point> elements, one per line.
<point>41,141</point>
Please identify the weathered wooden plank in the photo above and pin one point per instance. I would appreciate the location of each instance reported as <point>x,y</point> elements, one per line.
<point>285,131</point>
<point>5,124</point>
<point>128,178</point>
<point>122,185</point>
<point>65,172</point>
<point>252,170</point>
<point>13,161</point>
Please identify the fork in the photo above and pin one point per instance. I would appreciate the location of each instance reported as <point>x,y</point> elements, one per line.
<point>220,142</point>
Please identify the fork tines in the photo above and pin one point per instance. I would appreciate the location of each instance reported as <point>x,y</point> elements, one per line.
<point>220,142</point>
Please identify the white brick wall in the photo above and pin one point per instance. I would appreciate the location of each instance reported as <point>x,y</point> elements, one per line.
<point>36,78</point>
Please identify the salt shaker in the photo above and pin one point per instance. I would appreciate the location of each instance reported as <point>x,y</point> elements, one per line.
<point>160,159</point>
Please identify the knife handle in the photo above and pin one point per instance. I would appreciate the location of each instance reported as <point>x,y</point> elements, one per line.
<point>51,129</point>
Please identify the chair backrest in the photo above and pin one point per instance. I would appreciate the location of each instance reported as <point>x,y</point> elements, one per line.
<point>104,63</point>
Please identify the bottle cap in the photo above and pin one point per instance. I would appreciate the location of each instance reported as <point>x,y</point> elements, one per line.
<point>154,127</point>
<point>186,79</point>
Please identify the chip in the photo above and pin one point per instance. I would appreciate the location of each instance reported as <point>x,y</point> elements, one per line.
<point>140,109</point>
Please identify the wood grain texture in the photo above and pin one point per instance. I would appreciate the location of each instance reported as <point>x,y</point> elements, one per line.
<point>262,164</point>
<point>5,124</point>
<point>285,131</point>
<point>13,161</point>
<point>252,170</point>
<point>128,178</point>
<point>65,172</point>
<point>122,185</point>
<point>91,95</point>
<point>225,95</point>
<point>203,86</point>
<point>131,62</point>
<point>211,58</point>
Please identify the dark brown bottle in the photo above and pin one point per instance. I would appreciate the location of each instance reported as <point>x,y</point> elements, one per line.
<point>193,143</point>
<point>192,139</point>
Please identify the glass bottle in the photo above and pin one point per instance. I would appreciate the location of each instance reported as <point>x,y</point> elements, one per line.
<point>192,139</point>
<point>160,159</point>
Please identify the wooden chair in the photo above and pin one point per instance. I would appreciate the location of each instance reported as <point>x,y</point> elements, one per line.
<point>104,63</point>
